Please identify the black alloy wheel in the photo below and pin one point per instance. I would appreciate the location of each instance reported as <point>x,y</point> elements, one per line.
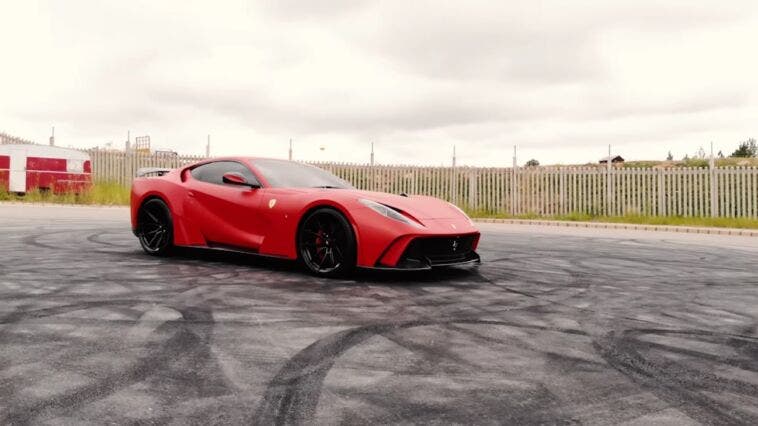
<point>155,228</point>
<point>326,243</point>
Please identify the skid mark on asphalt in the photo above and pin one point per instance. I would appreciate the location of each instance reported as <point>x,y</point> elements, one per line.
<point>533,302</point>
<point>184,357</point>
<point>97,238</point>
<point>293,393</point>
<point>684,380</point>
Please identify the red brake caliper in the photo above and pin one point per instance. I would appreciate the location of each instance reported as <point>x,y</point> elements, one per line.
<point>319,245</point>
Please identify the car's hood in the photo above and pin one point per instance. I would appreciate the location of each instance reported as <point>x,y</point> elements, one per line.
<point>420,207</point>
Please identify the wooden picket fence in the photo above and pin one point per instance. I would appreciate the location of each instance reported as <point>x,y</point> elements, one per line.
<point>544,191</point>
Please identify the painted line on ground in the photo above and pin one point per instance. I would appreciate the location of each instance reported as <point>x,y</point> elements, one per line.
<point>629,226</point>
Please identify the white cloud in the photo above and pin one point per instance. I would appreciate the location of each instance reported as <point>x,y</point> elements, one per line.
<point>561,80</point>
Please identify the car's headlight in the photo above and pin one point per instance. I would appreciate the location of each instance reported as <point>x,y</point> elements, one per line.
<point>462,212</point>
<point>389,212</point>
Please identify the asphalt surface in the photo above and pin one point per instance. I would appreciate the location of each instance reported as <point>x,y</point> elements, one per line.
<point>557,326</point>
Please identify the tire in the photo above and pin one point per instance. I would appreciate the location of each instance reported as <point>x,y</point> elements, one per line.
<point>326,243</point>
<point>155,228</point>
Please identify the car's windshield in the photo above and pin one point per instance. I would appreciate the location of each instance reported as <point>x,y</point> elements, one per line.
<point>280,173</point>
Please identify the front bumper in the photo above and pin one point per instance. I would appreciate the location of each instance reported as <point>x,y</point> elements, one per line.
<point>427,252</point>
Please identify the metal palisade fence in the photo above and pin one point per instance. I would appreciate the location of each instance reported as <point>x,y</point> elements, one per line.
<point>6,139</point>
<point>544,191</point>
<point>121,167</point>
<point>548,191</point>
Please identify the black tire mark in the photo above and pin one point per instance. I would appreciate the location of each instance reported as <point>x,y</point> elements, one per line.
<point>292,395</point>
<point>95,238</point>
<point>684,387</point>
<point>185,357</point>
<point>31,240</point>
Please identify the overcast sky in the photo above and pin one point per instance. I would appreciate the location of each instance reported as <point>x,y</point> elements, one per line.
<point>560,79</point>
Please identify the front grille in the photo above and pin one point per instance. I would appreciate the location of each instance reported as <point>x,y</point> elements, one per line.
<point>441,250</point>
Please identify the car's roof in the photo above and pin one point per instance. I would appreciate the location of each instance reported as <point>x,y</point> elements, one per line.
<point>245,158</point>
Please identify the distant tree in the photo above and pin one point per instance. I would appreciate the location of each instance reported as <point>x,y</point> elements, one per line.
<point>686,158</point>
<point>532,163</point>
<point>670,157</point>
<point>746,149</point>
<point>700,153</point>
<point>721,154</point>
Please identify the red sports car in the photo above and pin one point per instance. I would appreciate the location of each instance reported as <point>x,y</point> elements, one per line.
<point>296,211</point>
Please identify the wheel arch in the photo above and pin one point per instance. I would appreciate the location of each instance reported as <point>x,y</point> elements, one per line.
<point>150,197</point>
<point>326,205</point>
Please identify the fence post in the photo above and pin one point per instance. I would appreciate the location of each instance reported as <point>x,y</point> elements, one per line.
<point>514,186</point>
<point>562,190</point>
<point>661,193</point>
<point>473,196</point>
<point>372,173</point>
<point>714,190</point>
<point>608,204</point>
<point>453,186</point>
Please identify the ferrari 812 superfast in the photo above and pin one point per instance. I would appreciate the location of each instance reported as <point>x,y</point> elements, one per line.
<point>296,211</point>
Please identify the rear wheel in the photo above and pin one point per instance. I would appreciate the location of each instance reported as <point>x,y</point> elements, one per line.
<point>326,243</point>
<point>155,228</point>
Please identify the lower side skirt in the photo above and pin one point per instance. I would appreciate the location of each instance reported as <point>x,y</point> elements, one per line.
<point>235,249</point>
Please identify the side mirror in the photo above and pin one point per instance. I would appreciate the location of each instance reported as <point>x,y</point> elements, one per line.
<point>236,178</point>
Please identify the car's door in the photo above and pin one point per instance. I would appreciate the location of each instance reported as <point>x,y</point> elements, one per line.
<point>226,214</point>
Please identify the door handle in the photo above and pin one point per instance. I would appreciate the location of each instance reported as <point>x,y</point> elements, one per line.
<point>191,194</point>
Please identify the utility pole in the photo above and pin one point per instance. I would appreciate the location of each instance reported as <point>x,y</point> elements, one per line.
<point>208,147</point>
<point>290,156</point>
<point>608,184</point>
<point>128,144</point>
<point>714,184</point>
<point>515,159</point>
<point>514,184</point>
<point>52,137</point>
<point>608,163</point>
<point>454,179</point>
<point>712,162</point>
<point>372,170</point>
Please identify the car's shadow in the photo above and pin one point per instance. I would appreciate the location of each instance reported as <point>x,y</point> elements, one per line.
<point>361,276</point>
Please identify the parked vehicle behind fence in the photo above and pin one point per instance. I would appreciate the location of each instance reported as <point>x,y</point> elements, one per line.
<point>24,168</point>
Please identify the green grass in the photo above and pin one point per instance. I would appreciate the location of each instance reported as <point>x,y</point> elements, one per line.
<point>113,194</point>
<point>104,194</point>
<point>694,163</point>
<point>714,222</point>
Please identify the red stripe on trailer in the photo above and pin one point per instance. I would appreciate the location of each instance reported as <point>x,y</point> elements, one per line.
<point>5,165</point>
<point>28,167</point>
<point>58,182</point>
<point>46,164</point>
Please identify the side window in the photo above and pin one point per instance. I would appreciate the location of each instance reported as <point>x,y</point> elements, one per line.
<point>214,172</point>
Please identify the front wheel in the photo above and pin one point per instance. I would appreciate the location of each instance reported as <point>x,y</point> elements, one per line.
<point>155,228</point>
<point>326,243</point>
